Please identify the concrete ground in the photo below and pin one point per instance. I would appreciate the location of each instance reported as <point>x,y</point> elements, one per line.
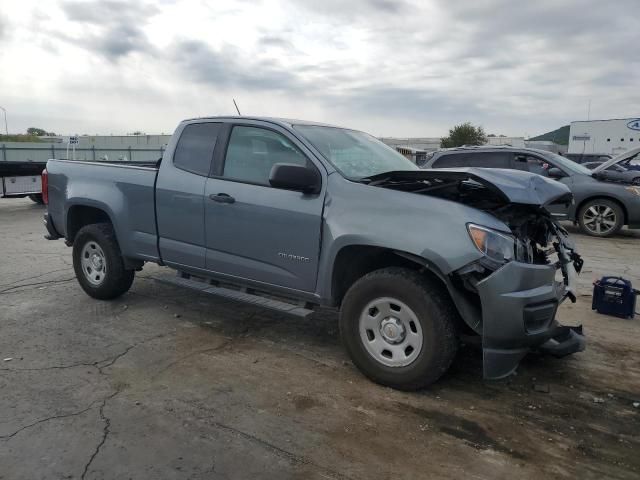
<point>165,383</point>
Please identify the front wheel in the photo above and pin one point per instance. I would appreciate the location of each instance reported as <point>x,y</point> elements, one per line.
<point>600,217</point>
<point>398,327</point>
<point>98,262</point>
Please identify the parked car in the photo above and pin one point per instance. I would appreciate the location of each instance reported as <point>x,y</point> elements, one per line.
<point>615,173</point>
<point>289,215</point>
<point>601,206</point>
<point>629,160</point>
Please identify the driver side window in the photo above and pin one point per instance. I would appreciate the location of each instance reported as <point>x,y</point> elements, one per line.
<point>533,164</point>
<point>253,151</point>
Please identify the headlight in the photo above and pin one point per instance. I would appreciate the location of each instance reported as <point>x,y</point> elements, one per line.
<point>634,190</point>
<point>497,246</point>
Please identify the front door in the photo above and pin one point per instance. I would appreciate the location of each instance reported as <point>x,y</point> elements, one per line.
<point>255,231</point>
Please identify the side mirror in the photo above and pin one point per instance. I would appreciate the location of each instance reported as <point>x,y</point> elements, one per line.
<point>290,176</point>
<point>555,172</point>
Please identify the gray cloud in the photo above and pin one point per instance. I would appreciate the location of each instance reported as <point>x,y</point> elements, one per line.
<point>108,11</point>
<point>515,67</point>
<point>273,40</point>
<point>4,27</point>
<point>356,9</point>
<point>572,30</point>
<point>227,68</point>
<point>409,103</point>
<point>115,26</point>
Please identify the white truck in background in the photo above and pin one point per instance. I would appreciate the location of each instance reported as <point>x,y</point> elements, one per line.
<point>21,179</point>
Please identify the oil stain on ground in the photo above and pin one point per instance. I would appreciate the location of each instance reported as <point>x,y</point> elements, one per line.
<point>468,431</point>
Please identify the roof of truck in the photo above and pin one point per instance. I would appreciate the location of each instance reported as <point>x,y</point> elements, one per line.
<point>281,121</point>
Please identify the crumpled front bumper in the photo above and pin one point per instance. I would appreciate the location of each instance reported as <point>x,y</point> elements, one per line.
<point>519,304</point>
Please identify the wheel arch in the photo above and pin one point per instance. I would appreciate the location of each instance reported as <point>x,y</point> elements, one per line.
<point>354,261</point>
<point>610,198</point>
<point>80,215</point>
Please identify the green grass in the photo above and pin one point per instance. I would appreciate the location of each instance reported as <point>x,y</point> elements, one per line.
<point>19,138</point>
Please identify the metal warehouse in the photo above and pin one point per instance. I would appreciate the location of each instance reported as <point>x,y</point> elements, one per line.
<point>612,136</point>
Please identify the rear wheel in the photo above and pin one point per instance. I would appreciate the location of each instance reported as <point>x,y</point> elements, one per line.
<point>398,327</point>
<point>600,217</point>
<point>636,181</point>
<point>37,198</point>
<point>98,262</point>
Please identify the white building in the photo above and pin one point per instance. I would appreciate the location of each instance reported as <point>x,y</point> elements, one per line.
<point>427,144</point>
<point>604,136</point>
<point>547,145</point>
<point>508,141</point>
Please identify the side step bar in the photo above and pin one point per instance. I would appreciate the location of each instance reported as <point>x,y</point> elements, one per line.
<point>184,280</point>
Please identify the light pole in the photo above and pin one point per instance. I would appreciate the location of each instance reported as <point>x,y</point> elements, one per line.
<point>6,129</point>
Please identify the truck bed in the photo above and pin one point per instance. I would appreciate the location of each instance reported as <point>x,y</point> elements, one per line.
<point>124,191</point>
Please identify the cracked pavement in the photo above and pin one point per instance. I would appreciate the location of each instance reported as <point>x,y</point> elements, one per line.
<point>167,383</point>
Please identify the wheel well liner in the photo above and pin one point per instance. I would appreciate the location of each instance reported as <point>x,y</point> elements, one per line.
<point>80,215</point>
<point>354,261</point>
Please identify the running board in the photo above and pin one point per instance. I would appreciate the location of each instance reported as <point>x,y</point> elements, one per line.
<point>184,280</point>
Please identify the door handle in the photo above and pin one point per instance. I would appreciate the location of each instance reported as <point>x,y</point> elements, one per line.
<point>222,198</point>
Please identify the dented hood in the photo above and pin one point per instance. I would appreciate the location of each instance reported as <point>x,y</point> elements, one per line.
<point>513,186</point>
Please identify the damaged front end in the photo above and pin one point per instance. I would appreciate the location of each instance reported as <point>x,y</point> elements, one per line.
<point>515,299</point>
<point>509,296</point>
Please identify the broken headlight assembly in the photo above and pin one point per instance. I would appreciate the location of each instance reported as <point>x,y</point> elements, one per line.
<point>497,247</point>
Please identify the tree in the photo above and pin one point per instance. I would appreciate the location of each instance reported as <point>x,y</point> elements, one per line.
<point>464,134</point>
<point>38,132</point>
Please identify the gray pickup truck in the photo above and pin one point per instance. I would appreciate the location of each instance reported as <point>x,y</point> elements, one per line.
<point>291,215</point>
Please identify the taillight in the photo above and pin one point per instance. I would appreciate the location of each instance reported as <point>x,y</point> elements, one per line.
<point>45,187</point>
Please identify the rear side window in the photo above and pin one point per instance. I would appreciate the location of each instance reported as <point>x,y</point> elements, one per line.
<point>194,151</point>
<point>474,159</point>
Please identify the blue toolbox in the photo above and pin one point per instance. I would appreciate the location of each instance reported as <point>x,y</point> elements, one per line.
<point>614,296</point>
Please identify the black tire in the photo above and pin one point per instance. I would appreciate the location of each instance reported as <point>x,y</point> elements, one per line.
<point>116,280</point>
<point>636,181</point>
<point>597,228</point>
<point>37,198</point>
<point>435,312</point>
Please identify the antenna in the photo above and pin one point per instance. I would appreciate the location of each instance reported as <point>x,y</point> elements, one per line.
<point>237,109</point>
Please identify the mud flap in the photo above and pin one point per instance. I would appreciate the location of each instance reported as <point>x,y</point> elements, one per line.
<point>498,364</point>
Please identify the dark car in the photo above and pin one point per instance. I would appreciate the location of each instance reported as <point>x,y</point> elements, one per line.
<point>601,207</point>
<point>616,173</point>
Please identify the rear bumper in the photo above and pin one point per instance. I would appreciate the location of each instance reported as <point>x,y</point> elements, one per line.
<point>519,304</point>
<point>52,234</point>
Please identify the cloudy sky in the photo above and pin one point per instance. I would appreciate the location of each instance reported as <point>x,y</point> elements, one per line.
<point>390,67</point>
